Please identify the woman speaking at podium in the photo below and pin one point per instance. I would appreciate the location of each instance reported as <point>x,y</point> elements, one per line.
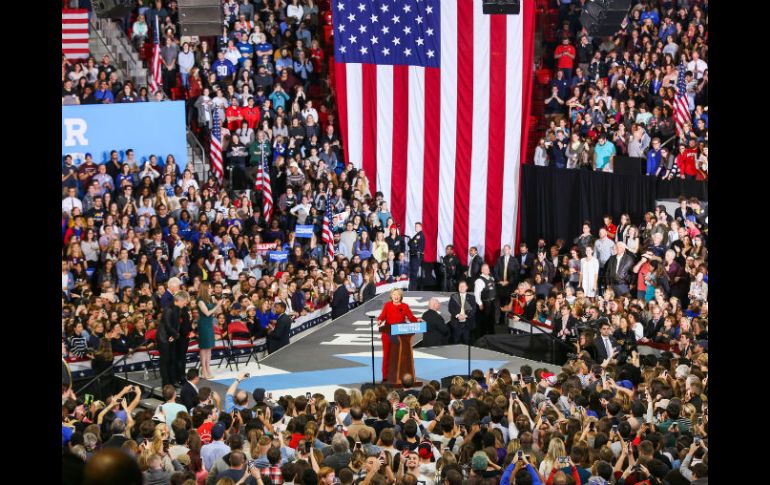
<point>395,311</point>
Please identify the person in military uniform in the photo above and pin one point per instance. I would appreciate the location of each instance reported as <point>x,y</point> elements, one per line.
<point>485,293</point>
<point>450,264</point>
<point>416,252</point>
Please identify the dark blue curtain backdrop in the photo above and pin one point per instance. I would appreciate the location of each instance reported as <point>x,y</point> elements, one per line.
<point>555,202</point>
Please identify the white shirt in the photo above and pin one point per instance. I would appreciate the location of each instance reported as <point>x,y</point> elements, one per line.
<point>607,345</point>
<point>310,112</point>
<point>478,287</point>
<point>70,203</point>
<point>697,68</point>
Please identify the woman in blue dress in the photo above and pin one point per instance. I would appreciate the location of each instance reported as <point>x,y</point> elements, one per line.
<point>208,310</point>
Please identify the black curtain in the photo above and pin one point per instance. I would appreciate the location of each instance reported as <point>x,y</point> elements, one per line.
<point>555,202</point>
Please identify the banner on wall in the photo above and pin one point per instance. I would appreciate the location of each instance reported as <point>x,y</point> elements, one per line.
<point>153,128</point>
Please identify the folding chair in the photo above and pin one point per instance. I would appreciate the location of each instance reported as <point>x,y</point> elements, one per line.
<point>153,353</point>
<point>239,330</point>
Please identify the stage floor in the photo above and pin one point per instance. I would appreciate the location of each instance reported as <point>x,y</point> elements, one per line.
<point>338,354</point>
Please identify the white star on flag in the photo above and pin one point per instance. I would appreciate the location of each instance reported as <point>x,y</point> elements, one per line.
<point>373,18</point>
<point>343,49</point>
<point>374,40</point>
<point>386,51</point>
<point>342,28</point>
<point>430,54</point>
<point>396,41</point>
<point>361,7</point>
<point>395,19</point>
<point>429,9</point>
<point>420,41</point>
<point>352,39</point>
<point>407,8</point>
<point>364,50</point>
<point>362,28</point>
<point>385,29</point>
<point>352,17</point>
<point>340,6</point>
<point>429,31</point>
<point>407,52</point>
<point>418,19</point>
<point>407,30</point>
<point>384,8</point>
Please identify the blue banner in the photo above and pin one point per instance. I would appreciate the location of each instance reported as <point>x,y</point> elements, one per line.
<point>408,328</point>
<point>278,256</point>
<point>153,128</point>
<point>303,231</point>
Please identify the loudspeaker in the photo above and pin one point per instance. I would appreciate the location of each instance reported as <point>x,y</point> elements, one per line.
<point>603,17</point>
<point>201,17</point>
<point>112,9</point>
<point>504,7</point>
<point>447,381</point>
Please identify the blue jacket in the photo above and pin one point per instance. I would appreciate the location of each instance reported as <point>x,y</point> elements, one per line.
<point>126,267</point>
<point>653,160</point>
<point>506,478</point>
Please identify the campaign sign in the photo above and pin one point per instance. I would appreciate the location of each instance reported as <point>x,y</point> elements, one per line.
<point>278,256</point>
<point>152,128</point>
<point>408,328</point>
<point>304,231</point>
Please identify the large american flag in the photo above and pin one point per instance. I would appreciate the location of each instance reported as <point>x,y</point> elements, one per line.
<point>262,183</point>
<point>326,232</point>
<point>215,149</point>
<point>434,99</point>
<point>156,80</point>
<point>74,33</point>
<point>681,105</point>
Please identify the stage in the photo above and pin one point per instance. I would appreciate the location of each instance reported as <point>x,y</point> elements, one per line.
<point>337,354</point>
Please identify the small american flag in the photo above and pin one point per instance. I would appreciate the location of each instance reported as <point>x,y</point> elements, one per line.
<point>74,33</point>
<point>156,81</point>
<point>326,232</point>
<point>215,152</point>
<point>263,182</point>
<point>681,105</point>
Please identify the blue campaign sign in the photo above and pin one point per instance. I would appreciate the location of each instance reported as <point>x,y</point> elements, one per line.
<point>304,231</point>
<point>153,128</point>
<point>408,328</point>
<point>278,256</point>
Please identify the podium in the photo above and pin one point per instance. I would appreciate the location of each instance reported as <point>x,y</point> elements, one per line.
<point>401,356</point>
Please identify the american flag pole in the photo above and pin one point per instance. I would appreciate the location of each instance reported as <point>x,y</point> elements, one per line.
<point>326,232</point>
<point>215,148</point>
<point>681,104</point>
<point>156,80</point>
<point>267,190</point>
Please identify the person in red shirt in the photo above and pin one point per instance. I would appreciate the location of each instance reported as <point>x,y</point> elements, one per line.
<point>250,114</point>
<point>611,228</point>
<point>565,58</point>
<point>686,162</point>
<point>233,115</point>
<point>394,311</point>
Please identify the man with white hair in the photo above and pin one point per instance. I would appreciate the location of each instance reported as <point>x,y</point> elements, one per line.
<point>437,329</point>
<point>172,286</point>
<point>618,270</point>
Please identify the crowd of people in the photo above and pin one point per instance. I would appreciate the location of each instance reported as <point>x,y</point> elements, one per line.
<point>147,243</point>
<point>617,96</point>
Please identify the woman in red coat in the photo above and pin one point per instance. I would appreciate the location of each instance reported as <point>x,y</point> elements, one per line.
<point>394,311</point>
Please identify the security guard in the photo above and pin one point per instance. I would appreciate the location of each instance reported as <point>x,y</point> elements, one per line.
<point>485,293</point>
<point>450,264</point>
<point>416,252</point>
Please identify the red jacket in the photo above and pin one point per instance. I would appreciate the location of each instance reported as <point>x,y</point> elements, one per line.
<point>687,161</point>
<point>234,118</point>
<point>251,116</point>
<point>392,313</point>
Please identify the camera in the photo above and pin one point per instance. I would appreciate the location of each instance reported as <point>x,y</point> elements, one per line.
<point>308,395</point>
<point>697,440</point>
<point>513,395</point>
<point>308,446</point>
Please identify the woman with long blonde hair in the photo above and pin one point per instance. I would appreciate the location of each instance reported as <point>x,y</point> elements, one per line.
<point>556,450</point>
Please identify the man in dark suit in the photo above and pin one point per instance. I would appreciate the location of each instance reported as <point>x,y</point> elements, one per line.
<point>450,265</point>
<point>437,331</point>
<point>416,251</point>
<point>278,333</point>
<point>565,325</point>
<point>340,298</point>
<point>167,336</point>
<point>618,270</point>
<point>462,314</point>
<point>189,394</point>
<point>605,344</point>
<point>474,265</point>
<point>506,272</point>
<point>526,261</point>
<point>182,343</point>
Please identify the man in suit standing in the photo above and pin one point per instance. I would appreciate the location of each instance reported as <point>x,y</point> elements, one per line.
<point>416,252</point>
<point>437,330</point>
<point>167,336</point>
<point>526,261</point>
<point>485,293</point>
<point>506,273</point>
<point>183,342</point>
<point>278,333</point>
<point>340,298</point>
<point>605,344</point>
<point>618,270</point>
<point>474,265</point>
<point>450,265</point>
<point>462,313</point>
<point>189,394</point>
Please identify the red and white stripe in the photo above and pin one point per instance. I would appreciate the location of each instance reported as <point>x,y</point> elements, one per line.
<point>444,145</point>
<point>681,113</point>
<point>216,158</point>
<point>74,33</point>
<point>267,193</point>
<point>155,79</point>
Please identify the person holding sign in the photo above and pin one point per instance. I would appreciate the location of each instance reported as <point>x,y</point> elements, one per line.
<point>395,311</point>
